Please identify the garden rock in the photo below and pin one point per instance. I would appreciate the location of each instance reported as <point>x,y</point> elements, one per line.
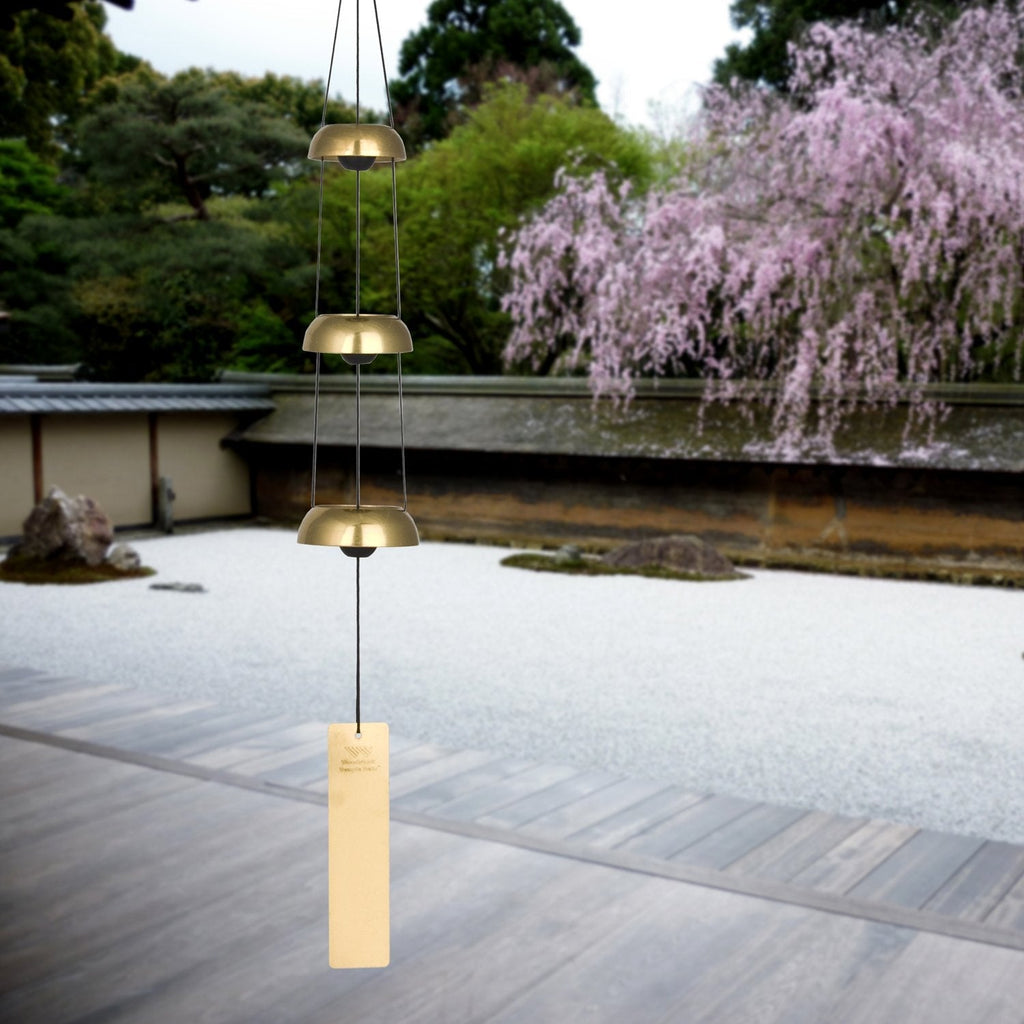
<point>124,557</point>
<point>683,553</point>
<point>65,529</point>
<point>569,554</point>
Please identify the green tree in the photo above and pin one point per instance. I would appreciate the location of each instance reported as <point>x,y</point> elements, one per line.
<point>169,304</point>
<point>175,256</point>
<point>63,9</point>
<point>28,183</point>
<point>153,139</point>
<point>36,292</point>
<point>295,100</point>
<point>459,196</point>
<point>48,69</point>
<point>777,23</point>
<point>34,288</point>
<point>468,42</point>
<point>282,290</point>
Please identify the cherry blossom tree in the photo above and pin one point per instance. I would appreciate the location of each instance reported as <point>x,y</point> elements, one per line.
<point>854,240</point>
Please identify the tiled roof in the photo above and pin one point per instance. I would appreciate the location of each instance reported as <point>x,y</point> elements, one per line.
<point>983,428</point>
<point>25,397</point>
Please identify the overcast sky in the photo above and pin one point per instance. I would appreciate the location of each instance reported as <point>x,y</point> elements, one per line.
<point>643,51</point>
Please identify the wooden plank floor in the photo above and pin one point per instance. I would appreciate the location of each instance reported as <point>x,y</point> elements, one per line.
<point>164,860</point>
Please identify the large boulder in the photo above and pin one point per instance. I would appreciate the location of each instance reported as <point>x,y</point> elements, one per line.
<point>684,553</point>
<point>65,529</point>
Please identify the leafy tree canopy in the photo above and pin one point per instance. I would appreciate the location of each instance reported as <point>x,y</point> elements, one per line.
<point>298,101</point>
<point>152,139</point>
<point>178,238</point>
<point>63,9</point>
<point>28,184</point>
<point>35,289</point>
<point>168,304</point>
<point>775,24</point>
<point>48,68</point>
<point>467,42</point>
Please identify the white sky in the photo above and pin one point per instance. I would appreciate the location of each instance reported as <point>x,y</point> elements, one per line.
<point>641,52</point>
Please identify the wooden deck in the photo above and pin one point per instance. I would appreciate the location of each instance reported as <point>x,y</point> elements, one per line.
<point>165,861</point>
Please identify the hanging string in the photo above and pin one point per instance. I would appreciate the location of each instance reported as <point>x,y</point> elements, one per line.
<point>359,424</point>
<point>319,257</point>
<point>383,68</point>
<point>401,422</point>
<point>359,723</point>
<point>316,313</point>
<point>398,271</point>
<point>359,240</point>
<point>330,66</point>
<point>316,431</point>
<point>359,441</point>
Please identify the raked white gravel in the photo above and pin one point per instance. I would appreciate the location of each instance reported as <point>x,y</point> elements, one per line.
<point>903,701</point>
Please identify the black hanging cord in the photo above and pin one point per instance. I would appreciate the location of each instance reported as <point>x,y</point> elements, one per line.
<point>383,67</point>
<point>359,442</point>
<point>401,421</point>
<point>330,66</point>
<point>359,723</point>
<point>319,252</point>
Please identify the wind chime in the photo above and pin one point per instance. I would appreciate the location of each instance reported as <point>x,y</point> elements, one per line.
<point>357,752</point>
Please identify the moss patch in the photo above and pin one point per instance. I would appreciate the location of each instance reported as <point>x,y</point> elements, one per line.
<point>589,566</point>
<point>32,571</point>
<point>920,571</point>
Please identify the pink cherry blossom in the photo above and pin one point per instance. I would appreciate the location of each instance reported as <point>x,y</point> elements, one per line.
<point>852,241</point>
